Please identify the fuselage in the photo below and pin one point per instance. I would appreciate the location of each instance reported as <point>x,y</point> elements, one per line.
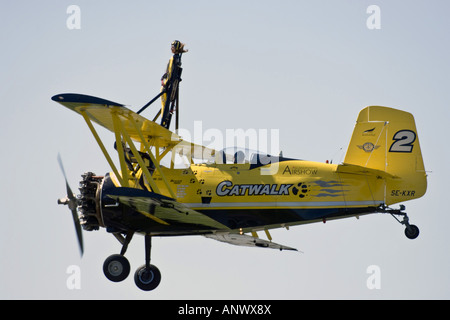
<point>254,196</point>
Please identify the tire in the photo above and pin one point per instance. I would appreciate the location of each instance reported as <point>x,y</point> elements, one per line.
<point>147,279</point>
<point>411,231</point>
<point>116,268</point>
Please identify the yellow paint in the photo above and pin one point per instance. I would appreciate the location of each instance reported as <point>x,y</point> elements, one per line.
<point>120,151</point>
<point>155,162</point>
<point>269,237</point>
<point>154,218</point>
<point>138,157</point>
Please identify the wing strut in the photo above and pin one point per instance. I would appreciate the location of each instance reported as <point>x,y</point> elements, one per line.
<point>120,131</point>
<point>102,146</point>
<point>152,157</point>
<point>120,151</point>
<point>151,101</point>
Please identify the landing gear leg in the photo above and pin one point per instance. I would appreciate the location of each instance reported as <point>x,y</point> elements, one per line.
<point>411,231</point>
<point>147,277</point>
<point>116,267</point>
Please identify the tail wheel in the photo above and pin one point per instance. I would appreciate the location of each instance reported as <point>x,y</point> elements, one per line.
<point>411,231</point>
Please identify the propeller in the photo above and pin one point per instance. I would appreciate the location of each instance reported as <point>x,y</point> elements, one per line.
<point>72,202</point>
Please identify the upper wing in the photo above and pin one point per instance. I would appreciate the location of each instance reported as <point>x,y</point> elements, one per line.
<point>103,111</point>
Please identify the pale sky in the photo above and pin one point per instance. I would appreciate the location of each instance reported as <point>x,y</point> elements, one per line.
<point>304,68</point>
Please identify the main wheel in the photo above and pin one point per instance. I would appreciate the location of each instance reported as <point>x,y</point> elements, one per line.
<point>411,231</point>
<point>147,278</point>
<point>116,268</point>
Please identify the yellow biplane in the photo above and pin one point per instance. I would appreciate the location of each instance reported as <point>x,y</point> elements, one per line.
<point>237,195</point>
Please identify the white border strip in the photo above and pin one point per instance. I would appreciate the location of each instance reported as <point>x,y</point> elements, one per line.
<point>284,204</point>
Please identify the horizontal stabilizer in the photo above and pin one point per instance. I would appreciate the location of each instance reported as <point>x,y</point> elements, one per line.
<point>246,241</point>
<point>355,169</point>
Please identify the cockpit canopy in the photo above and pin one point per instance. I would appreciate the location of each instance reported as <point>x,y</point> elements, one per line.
<point>233,155</point>
<point>238,155</point>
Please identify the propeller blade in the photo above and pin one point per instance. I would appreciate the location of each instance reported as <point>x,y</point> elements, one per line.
<point>77,224</point>
<point>71,201</point>
<point>70,194</point>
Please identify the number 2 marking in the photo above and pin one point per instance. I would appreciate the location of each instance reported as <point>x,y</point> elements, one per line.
<point>404,140</point>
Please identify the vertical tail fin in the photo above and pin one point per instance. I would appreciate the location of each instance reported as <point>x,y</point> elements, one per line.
<point>386,139</point>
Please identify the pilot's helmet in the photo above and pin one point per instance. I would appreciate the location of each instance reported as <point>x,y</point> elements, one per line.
<point>176,45</point>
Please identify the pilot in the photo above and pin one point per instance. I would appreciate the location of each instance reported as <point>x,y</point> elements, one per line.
<point>175,62</point>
